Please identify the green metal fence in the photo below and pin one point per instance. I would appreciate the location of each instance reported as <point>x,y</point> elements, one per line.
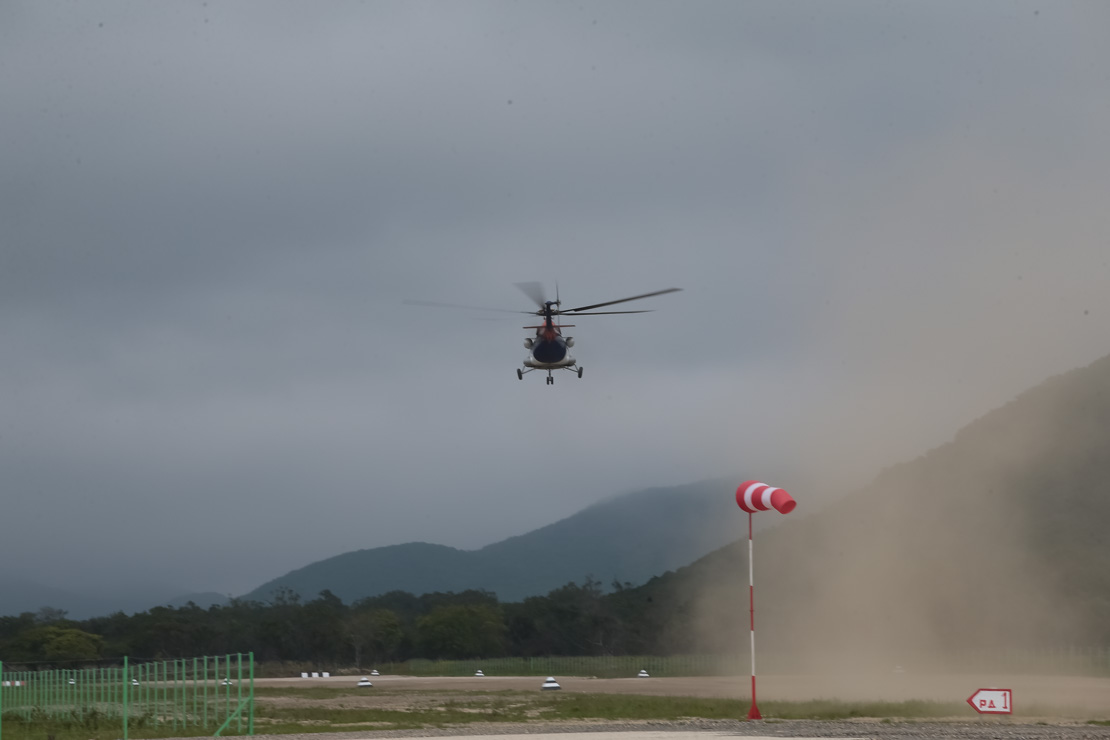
<point>206,695</point>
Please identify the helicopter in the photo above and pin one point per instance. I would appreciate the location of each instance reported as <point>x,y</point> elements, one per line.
<point>549,348</point>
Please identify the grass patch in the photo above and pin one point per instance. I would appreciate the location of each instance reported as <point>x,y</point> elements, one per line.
<point>448,713</point>
<point>630,707</point>
<point>82,726</point>
<point>624,707</point>
<point>834,710</point>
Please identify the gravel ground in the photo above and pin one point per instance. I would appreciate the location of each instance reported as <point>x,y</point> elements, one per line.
<point>1062,698</point>
<point>870,729</point>
<point>1085,697</point>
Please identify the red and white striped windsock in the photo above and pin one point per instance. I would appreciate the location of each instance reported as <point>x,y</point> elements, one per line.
<point>753,496</point>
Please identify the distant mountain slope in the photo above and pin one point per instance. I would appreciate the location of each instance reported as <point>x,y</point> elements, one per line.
<point>18,595</point>
<point>998,538</point>
<point>629,538</point>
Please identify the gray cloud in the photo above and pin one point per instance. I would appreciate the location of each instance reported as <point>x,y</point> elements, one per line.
<point>886,220</point>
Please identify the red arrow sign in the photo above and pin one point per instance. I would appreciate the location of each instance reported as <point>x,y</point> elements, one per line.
<point>992,701</point>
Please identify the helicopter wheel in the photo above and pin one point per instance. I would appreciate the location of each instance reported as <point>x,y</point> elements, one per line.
<point>519,374</point>
<point>580,372</point>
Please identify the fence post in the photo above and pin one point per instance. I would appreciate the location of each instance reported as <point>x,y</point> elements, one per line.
<point>227,687</point>
<point>125,695</point>
<point>250,720</point>
<point>183,691</point>
<point>174,714</point>
<point>239,692</point>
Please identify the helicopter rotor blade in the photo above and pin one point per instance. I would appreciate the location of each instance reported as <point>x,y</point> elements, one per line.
<point>535,292</point>
<point>622,300</point>
<point>601,313</point>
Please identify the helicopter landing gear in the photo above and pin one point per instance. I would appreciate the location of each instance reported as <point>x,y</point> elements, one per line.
<point>550,379</point>
<point>580,372</point>
<point>520,374</point>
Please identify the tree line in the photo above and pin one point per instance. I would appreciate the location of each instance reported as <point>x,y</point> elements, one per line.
<point>575,619</point>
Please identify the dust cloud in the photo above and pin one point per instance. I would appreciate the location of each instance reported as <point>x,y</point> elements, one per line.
<point>942,563</point>
<point>944,296</point>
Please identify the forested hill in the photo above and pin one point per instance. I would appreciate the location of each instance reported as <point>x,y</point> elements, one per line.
<point>629,538</point>
<point>999,537</point>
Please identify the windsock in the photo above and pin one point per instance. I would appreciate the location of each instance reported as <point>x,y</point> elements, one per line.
<point>753,496</point>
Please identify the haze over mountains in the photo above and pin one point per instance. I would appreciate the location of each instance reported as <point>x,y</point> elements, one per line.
<point>627,538</point>
<point>19,595</point>
<point>997,537</point>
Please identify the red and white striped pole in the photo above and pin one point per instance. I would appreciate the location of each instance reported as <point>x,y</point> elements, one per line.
<point>753,713</point>
<point>753,496</point>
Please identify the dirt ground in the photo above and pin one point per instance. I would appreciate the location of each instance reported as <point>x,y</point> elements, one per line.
<point>1053,694</point>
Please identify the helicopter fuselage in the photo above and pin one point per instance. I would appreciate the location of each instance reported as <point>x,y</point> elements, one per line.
<point>549,347</point>
<point>553,353</point>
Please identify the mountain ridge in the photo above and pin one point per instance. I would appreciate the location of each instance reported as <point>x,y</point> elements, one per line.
<point>634,535</point>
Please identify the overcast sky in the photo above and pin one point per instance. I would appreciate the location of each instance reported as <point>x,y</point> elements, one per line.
<point>886,218</point>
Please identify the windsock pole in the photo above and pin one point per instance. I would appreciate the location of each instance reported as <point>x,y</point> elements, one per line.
<point>753,496</point>
<point>753,713</point>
